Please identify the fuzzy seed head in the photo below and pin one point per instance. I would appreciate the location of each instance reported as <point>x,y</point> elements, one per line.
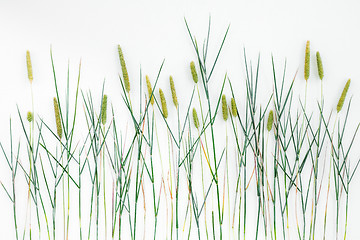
<point>29,66</point>
<point>195,119</point>
<point>149,88</point>
<point>319,65</point>
<point>224,107</point>
<point>30,117</point>
<point>193,72</point>
<point>270,120</point>
<point>307,61</point>
<point>343,96</point>
<point>233,107</point>
<point>124,70</point>
<point>57,118</point>
<point>173,92</point>
<point>103,109</point>
<point>163,103</point>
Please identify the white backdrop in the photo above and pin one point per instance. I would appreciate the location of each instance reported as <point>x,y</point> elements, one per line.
<point>151,31</point>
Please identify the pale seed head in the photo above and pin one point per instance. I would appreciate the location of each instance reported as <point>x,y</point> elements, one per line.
<point>173,92</point>
<point>149,88</point>
<point>343,96</point>
<point>195,119</point>
<point>193,72</point>
<point>57,118</point>
<point>29,66</point>
<point>30,117</point>
<point>124,70</point>
<point>319,65</point>
<point>307,61</point>
<point>233,107</point>
<point>224,107</point>
<point>103,109</point>
<point>163,103</point>
<point>270,120</point>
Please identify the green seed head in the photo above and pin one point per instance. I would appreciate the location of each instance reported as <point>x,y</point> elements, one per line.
<point>29,66</point>
<point>343,96</point>
<point>233,107</point>
<point>224,107</point>
<point>307,61</point>
<point>149,88</point>
<point>57,118</point>
<point>30,117</point>
<point>270,120</point>
<point>319,65</point>
<point>195,118</point>
<point>163,103</point>
<point>173,92</point>
<point>103,109</point>
<point>193,72</point>
<point>124,70</point>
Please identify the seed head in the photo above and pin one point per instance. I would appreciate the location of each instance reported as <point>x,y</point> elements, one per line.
<point>103,109</point>
<point>30,117</point>
<point>195,118</point>
<point>224,107</point>
<point>124,70</point>
<point>193,72</point>
<point>173,92</point>
<point>342,97</point>
<point>163,103</point>
<point>307,61</point>
<point>29,66</point>
<point>233,107</point>
<point>270,120</point>
<point>149,88</point>
<point>319,65</point>
<point>57,118</point>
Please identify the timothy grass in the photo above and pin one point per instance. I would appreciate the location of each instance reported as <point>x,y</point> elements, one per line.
<point>265,174</point>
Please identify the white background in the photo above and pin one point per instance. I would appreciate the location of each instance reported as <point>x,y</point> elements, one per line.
<point>152,31</point>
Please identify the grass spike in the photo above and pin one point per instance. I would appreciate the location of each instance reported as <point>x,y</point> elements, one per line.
<point>30,117</point>
<point>319,65</point>
<point>193,72</point>
<point>124,70</point>
<point>149,88</point>
<point>103,109</point>
<point>224,107</point>
<point>163,103</point>
<point>29,66</point>
<point>270,121</point>
<point>343,95</point>
<point>195,118</point>
<point>307,61</point>
<point>57,118</point>
<point>233,107</point>
<point>173,92</point>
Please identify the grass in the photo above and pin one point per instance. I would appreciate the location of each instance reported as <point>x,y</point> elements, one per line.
<point>265,175</point>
